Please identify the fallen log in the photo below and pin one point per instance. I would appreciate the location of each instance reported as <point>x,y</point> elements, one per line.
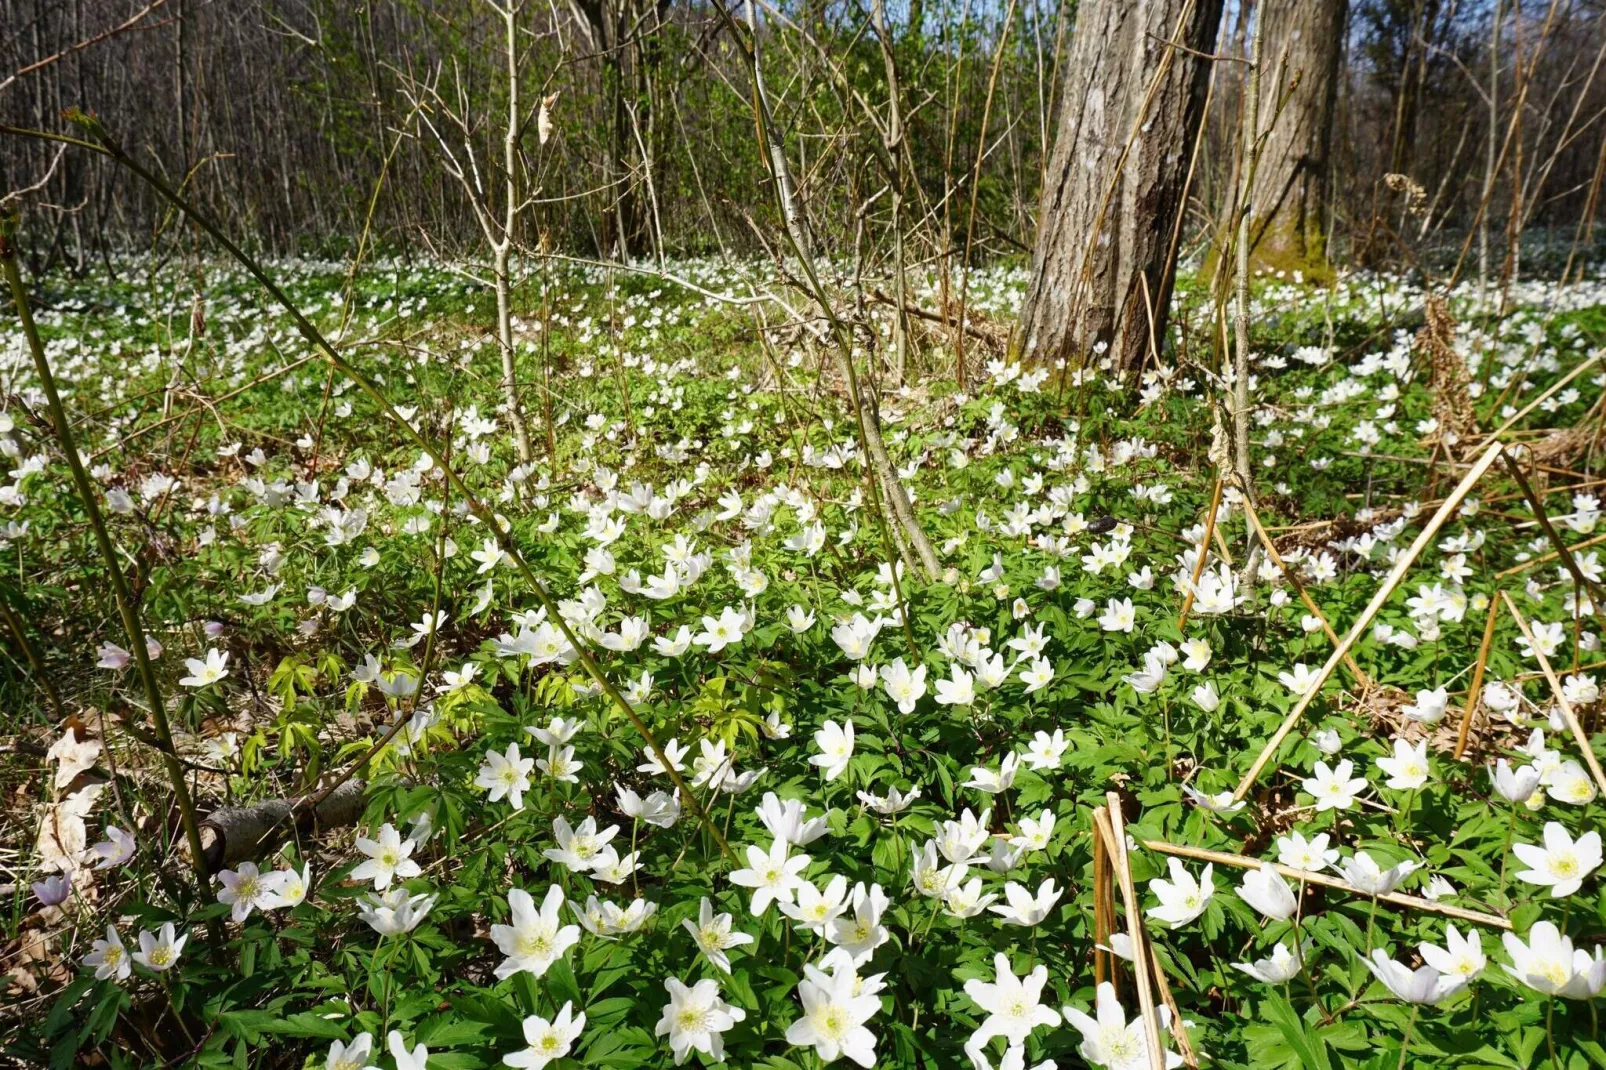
<point>234,834</point>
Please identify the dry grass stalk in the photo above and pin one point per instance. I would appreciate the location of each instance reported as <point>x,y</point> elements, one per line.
<point>1594,358</point>
<point>1477,679</point>
<point>1535,674</point>
<point>1179,1032</point>
<point>1204,552</point>
<point>1362,681</point>
<point>1103,918</point>
<point>1399,899</point>
<point>1568,561</point>
<point>1579,735</point>
<point>1545,559</point>
<point>1563,447</point>
<point>1103,908</point>
<point>1395,576</point>
<point>1221,548</point>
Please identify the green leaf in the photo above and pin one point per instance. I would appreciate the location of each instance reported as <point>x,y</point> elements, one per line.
<point>610,1011</point>
<point>561,985</point>
<point>445,1031</point>
<point>1306,1043</point>
<point>307,1024</point>
<point>248,1025</point>
<point>492,1011</point>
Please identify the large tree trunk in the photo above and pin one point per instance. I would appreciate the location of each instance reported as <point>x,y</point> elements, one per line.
<point>1303,41</point>
<point>1103,265</point>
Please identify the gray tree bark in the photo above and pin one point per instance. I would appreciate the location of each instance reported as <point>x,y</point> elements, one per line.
<point>511,211</point>
<point>234,834</point>
<point>1303,40</point>
<point>1131,109</point>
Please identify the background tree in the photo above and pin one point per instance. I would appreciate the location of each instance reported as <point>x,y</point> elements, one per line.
<point>1299,89</point>
<point>290,111</point>
<point>1134,98</point>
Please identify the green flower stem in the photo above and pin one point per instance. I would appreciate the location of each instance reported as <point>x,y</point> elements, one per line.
<point>173,1004</point>
<point>897,851</point>
<point>1402,820</point>
<point>1299,950</point>
<point>1505,856</point>
<point>936,905</point>
<point>635,882</point>
<point>1550,1032</point>
<point>1410,1028</point>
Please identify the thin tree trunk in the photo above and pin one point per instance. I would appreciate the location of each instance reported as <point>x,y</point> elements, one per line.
<point>1413,78</point>
<point>894,144</point>
<point>501,274</point>
<point>1250,139</point>
<point>866,407</point>
<point>504,247</point>
<point>1492,149</point>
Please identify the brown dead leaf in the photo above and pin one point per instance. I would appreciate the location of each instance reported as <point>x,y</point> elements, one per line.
<point>543,121</point>
<point>63,836</point>
<point>73,755</point>
<point>32,961</point>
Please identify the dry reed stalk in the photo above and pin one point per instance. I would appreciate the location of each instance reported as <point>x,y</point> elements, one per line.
<point>1103,909</point>
<point>1204,552</point>
<point>1399,899</point>
<point>1395,576</point>
<point>1103,915</point>
<point>1579,735</point>
<point>1594,359</point>
<point>1547,558</point>
<point>1362,681</point>
<point>1116,832</point>
<point>1477,680</point>
<point>1452,402</point>
<point>1179,1032</point>
<point>1538,507</point>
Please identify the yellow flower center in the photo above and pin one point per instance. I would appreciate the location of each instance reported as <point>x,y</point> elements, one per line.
<point>831,1023</point>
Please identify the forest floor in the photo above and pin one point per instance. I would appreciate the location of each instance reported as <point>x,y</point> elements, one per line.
<point>890,788</point>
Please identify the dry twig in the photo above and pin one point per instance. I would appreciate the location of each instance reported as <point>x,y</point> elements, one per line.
<point>1567,714</point>
<point>1399,899</point>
